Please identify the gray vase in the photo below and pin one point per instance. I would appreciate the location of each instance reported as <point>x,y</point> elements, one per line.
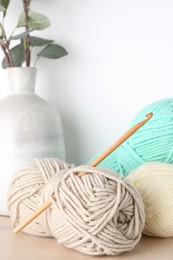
<point>29,128</point>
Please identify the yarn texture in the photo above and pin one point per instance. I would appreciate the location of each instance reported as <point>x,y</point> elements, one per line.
<point>154,181</point>
<point>26,194</point>
<point>152,142</point>
<point>99,213</point>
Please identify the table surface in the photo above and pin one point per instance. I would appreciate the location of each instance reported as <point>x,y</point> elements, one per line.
<point>27,247</point>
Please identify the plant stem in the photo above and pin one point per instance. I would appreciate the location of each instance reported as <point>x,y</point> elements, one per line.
<point>6,55</point>
<point>26,7</point>
<point>5,47</point>
<point>9,55</point>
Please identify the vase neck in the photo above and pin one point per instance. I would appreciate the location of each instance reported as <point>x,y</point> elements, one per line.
<point>21,79</point>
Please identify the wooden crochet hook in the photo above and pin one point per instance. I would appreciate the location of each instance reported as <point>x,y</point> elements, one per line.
<point>94,163</point>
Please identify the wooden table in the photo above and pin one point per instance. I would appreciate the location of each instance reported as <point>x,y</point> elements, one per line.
<point>27,247</point>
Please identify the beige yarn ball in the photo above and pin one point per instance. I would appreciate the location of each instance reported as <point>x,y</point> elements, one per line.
<point>98,213</point>
<point>26,194</point>
<point>154,181</point>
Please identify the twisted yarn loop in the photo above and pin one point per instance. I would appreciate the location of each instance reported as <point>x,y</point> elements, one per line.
<point>99,213</point>
<point>154,181</point>
<point>25,193</point>
<point>152,142</point>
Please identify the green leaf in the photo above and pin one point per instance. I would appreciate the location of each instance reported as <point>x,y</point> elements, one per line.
<point>18,56</point>
<point>21,35</point>
<point>5,3</point>
<point>37,21</point>
<point>2,8</point>
<point>53,51</point>
<point>1,41</point>
<point>36,41</point>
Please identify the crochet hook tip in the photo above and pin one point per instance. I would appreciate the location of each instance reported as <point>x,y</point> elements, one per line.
<point>149,115</point>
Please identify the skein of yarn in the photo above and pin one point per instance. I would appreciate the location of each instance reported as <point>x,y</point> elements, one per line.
<point>154,181</point>
<point>99,213</point>
<point>153,142</point>
<point>26,193</point>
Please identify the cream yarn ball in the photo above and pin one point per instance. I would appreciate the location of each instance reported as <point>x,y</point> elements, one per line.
<point>26,194</point>
<point>98,213</point>
<point>154,181</point>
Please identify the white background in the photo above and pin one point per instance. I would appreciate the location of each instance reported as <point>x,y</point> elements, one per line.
<point>120,60</point>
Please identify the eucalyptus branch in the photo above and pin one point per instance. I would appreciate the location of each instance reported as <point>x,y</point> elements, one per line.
<point>26,7</point>
<point>20,53</point>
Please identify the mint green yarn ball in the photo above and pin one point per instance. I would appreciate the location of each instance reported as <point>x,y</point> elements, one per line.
<point>152,142</point>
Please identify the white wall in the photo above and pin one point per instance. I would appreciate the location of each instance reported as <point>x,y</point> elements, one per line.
<point>120,59</point>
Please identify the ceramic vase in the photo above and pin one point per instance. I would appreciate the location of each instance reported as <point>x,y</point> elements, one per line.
<point>29,128</point>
